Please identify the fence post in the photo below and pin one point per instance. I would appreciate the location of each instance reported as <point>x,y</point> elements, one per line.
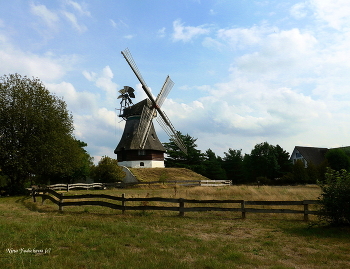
<point>60,203</point>
<point>67,187</point>
<point>33,195</point>
<point>123,203</point>
<point>306,208</point>
<point>181,207</point>
<point>243,209</point>
<point>43,198</point>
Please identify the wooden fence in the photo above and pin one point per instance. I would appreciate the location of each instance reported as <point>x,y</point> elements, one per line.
<point>182,204</point>
<point>206,183</point>
<point>68,187</point>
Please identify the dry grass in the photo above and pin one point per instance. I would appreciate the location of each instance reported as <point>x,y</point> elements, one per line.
<point>157,174</point>
<point>95,237</point>
<point>244,192</point>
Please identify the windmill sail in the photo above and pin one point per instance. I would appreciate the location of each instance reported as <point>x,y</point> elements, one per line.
<point>145,125</point>
<point>149,113</point>
<point>171,132</point>
<point>167,86</point>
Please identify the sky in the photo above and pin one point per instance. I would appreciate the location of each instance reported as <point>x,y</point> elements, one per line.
<point>245,72</point>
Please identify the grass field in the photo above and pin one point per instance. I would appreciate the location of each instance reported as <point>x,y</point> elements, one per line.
<point>94,237</point>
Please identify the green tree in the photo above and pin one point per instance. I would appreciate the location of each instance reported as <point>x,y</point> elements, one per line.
<point>36,132</point>
<point>313,173</point>
<point>284,164</point>
<point>80,166</point>
<point>264,161</point>
<point>176,158</point>
<point>107,171</point>
<point>335,198</point>
<point>300,174</point>
<point>233,165</point>
<point>338,159</point>
<point>213,168</point>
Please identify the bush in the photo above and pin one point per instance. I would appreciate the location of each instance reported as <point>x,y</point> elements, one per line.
<point>107,171</point>
<point>335,198</point>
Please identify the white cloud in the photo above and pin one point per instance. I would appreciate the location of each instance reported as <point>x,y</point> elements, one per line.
<point>82,10</point>
<point>161,32</point>
<point>187,33</point>
<point>212,12</point>
<point>210,42</point>
<point>334,12</point>
<point>74,21</point>
<point>113,23</point>
<point>49,17</point>
<point>104,82</point>
<point>240,38</point>
<point>78,102</point>
<point>287,53</point>
<point>299,11</point>
<point>26,63</point>
<point>129,36</point>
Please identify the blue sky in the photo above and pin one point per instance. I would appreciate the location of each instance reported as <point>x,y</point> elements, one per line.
<point>245,72</point>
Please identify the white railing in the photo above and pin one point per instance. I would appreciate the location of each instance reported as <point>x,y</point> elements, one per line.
<point>215,183</point>
<point>68,187</point>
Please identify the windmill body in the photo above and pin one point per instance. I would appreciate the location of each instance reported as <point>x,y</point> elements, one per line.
<point>128,151</point>
<point>139,145</point>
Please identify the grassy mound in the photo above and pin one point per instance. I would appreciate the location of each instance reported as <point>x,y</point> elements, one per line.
<point>165,174</point>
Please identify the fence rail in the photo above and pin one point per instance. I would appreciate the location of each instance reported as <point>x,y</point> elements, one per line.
<point>206,183</point>
<point>68,187</point>
<point>241,206</point>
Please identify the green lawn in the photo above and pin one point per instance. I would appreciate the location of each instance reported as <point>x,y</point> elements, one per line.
<point>95,237</point>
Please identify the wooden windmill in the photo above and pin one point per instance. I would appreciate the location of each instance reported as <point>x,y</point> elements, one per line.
<point>139,145</point>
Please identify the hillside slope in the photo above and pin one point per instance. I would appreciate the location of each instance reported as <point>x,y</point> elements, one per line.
<point>159,174</point>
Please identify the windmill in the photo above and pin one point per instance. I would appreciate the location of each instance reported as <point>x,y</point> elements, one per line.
<point>139,145</point>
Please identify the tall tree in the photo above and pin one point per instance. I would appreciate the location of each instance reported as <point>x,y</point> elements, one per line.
<point>36,131</point>
<point>264,161</point>
<point>284,164</point>
<point>233,165</point>
<point>268,161</point>
<point>176,158</point>
<point>213,168</point>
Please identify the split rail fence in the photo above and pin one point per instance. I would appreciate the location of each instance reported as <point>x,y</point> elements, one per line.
<point>183,205</point>
<point>206,183</point>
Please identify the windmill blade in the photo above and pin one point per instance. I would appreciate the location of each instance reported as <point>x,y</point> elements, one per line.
<point>145,125</point>
<point>167,86</point>
<point>128,57</point>
<point>167,126</point>
<point>130,89</point>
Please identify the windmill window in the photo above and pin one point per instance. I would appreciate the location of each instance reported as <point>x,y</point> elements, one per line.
<point>298,155</point>
<point>142,164</point>
<point>142,152</point>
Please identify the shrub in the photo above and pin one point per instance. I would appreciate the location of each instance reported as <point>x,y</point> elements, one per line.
<point>107,171</point>
<point>335,198</point>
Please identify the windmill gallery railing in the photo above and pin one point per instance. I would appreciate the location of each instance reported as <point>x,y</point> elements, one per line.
<point>177,204</point>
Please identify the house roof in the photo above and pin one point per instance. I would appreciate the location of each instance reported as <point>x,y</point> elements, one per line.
<point>313,155</point>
